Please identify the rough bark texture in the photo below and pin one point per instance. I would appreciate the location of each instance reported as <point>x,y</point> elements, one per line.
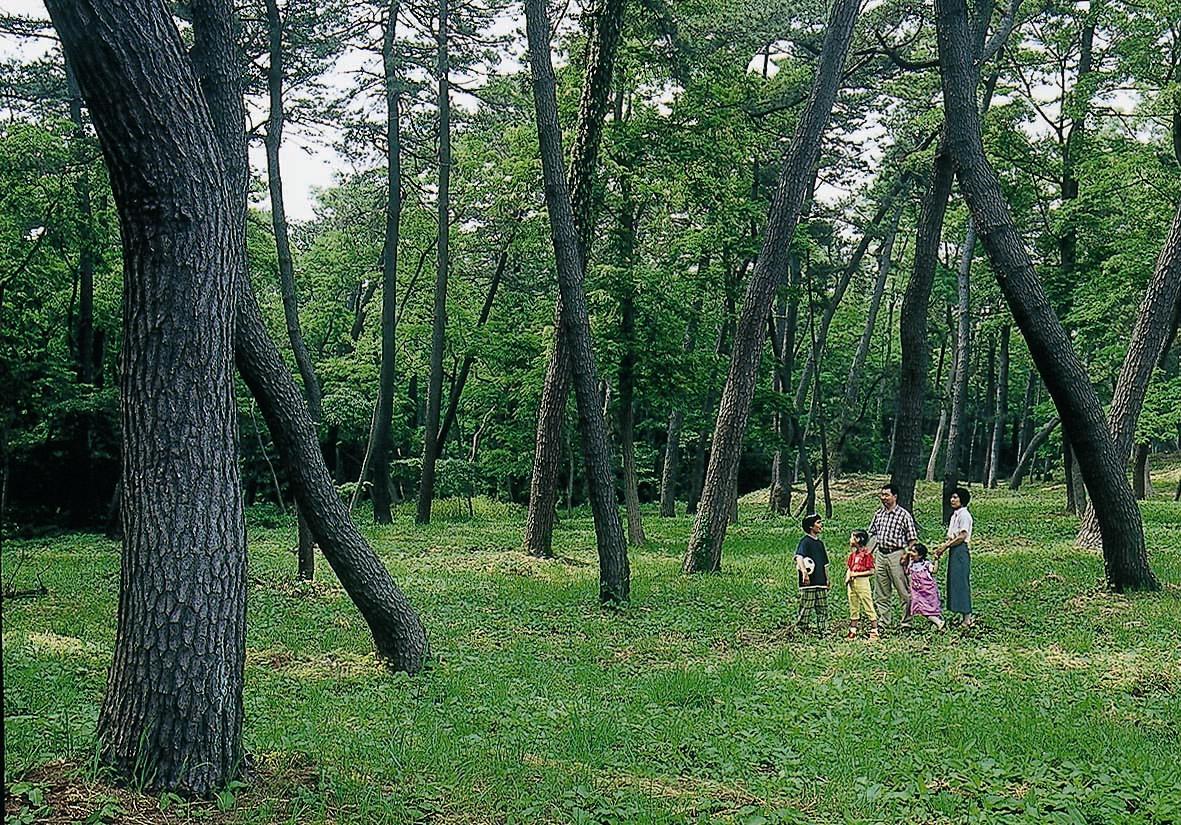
<point>907,442</point>
<point>704,551</point>
<point>430,435</point>
<point>398,633</point>
<point>1154,323</point>
<point>172,712</point>
<point>1001,410</point>
<point>614,574</point>
<point>605,23</point>
<point>383,420</point>
<point>1124,553</point>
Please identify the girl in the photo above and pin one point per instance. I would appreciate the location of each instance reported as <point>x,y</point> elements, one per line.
<point>860,569</point>
<point>924,593</point>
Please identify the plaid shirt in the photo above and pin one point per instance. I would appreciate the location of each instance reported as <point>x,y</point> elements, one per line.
<point>895,528</point>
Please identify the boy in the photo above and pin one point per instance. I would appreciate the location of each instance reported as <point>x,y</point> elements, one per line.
<point>812,566</point>
<point>860,564</point>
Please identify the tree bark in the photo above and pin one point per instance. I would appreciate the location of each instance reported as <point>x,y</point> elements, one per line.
<point>398,633</point>
<point>1141,476</point>
<point>1031,448</point>
<point>1001,410</point>
<point>672,448</point>
<point>704,550</point>
<point>380,461</point>
<point>853,384</point>
<point>786,421</point>
<point>303,359</point>
<point>1124,553</point>
<point>430,436</point>
<point>469,359</point>
<point>1159,309</point>
<point>959,394</point>
<point>626,249</point>
<point>172,712</point>
<point>606,24</point>
<point>945,403</point>
<point>614,573</point>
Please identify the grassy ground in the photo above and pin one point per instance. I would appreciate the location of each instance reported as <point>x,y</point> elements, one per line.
<point>696,703</point>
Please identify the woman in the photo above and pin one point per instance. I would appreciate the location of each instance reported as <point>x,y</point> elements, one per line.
<point>959,566</point>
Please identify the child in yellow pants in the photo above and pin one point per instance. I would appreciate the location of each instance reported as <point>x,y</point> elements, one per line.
<point>860,569</point>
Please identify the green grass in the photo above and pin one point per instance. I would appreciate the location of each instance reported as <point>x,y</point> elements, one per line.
<point>695,703</point>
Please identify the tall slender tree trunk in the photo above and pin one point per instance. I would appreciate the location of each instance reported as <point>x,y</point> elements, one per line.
<point>303,359</point>
<point>1001,410</point>
<point>704,551</point>
<point>379,463</point>
<point>676,419</point>
<point>172,712</point>
<point>853,383</point>
<point>626,250</point>
<point>1141,477</point>
<point>1065,377</point>
<point>782,470</point>
<point>1024,430</point>
<point>614,573</point>
<point>959,395</point>
<point>469,359</point>
<point>430,436</point>
<point>945,403</point>
<point>605,21</point>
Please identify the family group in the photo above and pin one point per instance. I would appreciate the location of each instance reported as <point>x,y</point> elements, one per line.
<point>884,560</point>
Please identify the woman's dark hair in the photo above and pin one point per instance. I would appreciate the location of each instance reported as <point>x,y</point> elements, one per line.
<point>861,537</point>
<point>809,522</point>
<point>920,550</point>
<point>964,495</point>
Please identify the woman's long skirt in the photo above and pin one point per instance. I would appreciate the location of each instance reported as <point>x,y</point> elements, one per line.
<point>959,579</point>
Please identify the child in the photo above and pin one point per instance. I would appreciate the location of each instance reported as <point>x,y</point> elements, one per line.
<point>924,593</point>
<point>860,564</point>
<point>812,566</point>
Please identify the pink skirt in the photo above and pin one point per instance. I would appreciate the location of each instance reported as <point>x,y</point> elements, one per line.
<point>924,594</point>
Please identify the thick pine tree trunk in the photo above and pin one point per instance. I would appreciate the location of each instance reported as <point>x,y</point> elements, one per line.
<point>614,573</point>
<point>605,22</point>
<point>430,436</point>
<point>704,550</point>
<point>907,440</point>
<point>379,463</point>
<point>1124,553</point>
<point>172,712</point>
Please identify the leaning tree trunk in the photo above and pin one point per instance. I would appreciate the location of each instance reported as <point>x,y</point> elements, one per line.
<point>1002,409</point>
<point>398,633</point>
<point>172,713</point>
<point>1031,448</point>
<point>379,462</point>
<point>1125,559</point>
<point>1159,310</point>
<point>614,574</point>
<point>605,24</point>
<point>959,393</point>
<point>430,435</point>
<point>704,551</point>
<point>303,359</point>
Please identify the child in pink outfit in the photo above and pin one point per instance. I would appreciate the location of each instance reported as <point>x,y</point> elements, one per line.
<point>924,592</point>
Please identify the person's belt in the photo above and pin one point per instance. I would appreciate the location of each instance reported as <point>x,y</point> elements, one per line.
<point>886,552</point>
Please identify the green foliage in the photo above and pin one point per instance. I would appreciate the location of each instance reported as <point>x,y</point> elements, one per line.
<point>696,703</point>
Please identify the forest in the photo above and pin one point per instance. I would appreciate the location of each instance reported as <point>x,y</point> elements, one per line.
<point>466,487</point>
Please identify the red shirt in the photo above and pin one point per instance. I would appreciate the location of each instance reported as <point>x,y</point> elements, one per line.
<point>860,560</point>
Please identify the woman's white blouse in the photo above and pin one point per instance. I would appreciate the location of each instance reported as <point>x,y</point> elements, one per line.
<point>961,522</point>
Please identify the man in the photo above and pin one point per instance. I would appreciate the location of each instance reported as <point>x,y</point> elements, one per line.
<point>892,530</point>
